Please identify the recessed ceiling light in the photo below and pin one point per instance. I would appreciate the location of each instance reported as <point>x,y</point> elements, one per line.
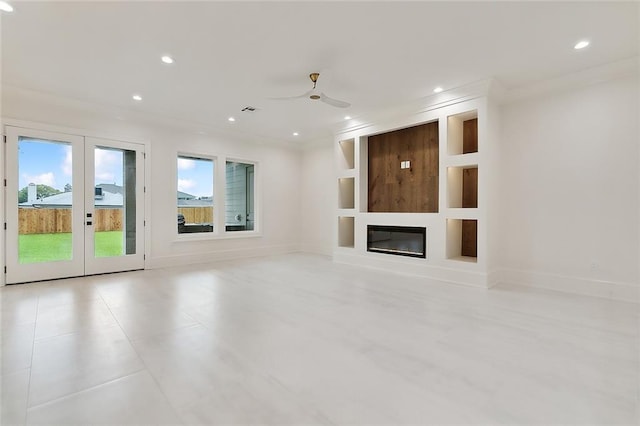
<point>438,89</point>
<point>347,117</point>
<point>581,44</point>
<point>231,119</point>
<point>5,7</point>
<point>295,133</point>
<point>167,59</point>
<point>137,97</point>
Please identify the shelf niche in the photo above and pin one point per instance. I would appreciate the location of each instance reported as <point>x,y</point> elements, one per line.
<point>463,187</point>
<point>346,193</point>
<point>403,170</point>
<point>462,239</point>
<point>462,134</point>
<point>347,159</point>
<point>346,231</point>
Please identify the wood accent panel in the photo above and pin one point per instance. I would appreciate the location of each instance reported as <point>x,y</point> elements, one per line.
<point>470,238</point>
<point>470,136</point>
<point>412,190</point>
<point>470,188</point>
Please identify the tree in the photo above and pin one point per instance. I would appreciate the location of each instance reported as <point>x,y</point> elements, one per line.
<point>42,191</point>
<point>67,188</point>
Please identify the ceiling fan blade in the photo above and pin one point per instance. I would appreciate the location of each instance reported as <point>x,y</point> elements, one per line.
<point>334,102</point>
<point>304,95</point>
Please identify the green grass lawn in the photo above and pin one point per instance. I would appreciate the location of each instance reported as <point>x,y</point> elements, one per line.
<point>37,248</point>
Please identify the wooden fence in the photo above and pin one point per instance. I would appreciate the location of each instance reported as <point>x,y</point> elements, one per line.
<point>52,221</point>
<point>197,214</point>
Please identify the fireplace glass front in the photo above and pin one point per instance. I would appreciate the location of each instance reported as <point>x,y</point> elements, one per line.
<point>398,240</point>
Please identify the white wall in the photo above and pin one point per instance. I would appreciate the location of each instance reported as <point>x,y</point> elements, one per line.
<point>278,189</point>
<point>569,172</point>
<point>570,215</point>
<point>278,175</point>
<point>318,198</point>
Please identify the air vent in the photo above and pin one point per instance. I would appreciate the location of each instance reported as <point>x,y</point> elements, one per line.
<point>249,109</point>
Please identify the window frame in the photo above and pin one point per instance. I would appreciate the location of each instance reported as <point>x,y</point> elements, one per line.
<point>219,199</point>
<point>215,207</point>
<point>257,198</point>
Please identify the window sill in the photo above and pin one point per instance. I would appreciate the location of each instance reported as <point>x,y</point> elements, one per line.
<point>212,236</point>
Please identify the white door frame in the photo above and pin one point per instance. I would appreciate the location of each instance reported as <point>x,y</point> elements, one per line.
<point>128,262</point>
<point>13,129</point>
<point>46,270</point>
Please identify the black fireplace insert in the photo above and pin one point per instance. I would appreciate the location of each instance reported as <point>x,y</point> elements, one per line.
<point>398,240</point>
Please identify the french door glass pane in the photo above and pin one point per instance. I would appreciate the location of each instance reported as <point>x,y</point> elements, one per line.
<point>114,217</point>
<point>44,201</point>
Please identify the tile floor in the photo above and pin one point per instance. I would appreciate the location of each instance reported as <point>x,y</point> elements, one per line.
<point>298,339</point>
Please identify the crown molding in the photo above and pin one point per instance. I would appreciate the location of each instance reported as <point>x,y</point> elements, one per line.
<point>136,121</point>
<point>583,78</point>
<point>437,100</point>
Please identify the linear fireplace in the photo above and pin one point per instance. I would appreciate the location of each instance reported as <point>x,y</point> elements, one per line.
<point>398,240</point>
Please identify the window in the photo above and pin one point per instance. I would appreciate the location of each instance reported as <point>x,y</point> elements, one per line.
<point>195,194</point>
<point>239,197</point>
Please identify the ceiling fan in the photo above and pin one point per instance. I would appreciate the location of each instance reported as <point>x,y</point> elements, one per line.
<point>316,94</point>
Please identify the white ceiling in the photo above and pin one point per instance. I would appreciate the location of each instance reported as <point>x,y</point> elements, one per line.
<point>230,55</point>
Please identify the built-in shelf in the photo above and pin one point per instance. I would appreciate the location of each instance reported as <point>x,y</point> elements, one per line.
<point>462,239</point>
<point>465,259</point>
<point>462,187</point>
<point>346,193</point>
<point>462,160</point>
<point>462,133</point>
<point>346,231</point>
<point>347,157</point>
<point>460,213</point>
<point>392,173</point>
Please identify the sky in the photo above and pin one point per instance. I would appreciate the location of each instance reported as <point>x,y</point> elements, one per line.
<point>195,176</point>
<point>49,163</point>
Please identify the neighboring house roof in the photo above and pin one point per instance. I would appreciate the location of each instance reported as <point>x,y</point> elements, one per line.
<point>112,197</point>
<point>110,187</point>
<point>195,203</point>
<point>64,199</point>
<point>185,196</point>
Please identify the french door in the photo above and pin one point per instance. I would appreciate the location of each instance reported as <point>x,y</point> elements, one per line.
<point>74,205</point>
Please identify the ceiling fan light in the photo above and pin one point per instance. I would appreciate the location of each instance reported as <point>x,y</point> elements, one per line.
<point>581,44</point>
<point>314,97</point>
<point>5,7</point>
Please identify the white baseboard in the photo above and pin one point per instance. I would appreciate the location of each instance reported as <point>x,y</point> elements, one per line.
<point>316,249</point>
<point>627,292</point>
<point>219,255</point>
<point>621,291</point>
<point>406,266</point>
